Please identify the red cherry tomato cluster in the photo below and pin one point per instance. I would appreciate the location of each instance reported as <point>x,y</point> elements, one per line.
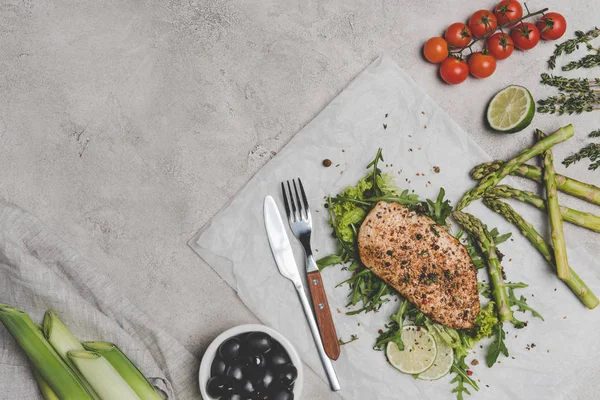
<point>507,16</point>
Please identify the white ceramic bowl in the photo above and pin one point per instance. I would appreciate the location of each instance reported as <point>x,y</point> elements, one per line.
<point>211,352</point>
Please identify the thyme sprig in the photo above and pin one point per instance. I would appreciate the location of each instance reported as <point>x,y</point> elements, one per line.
<point>591,151</point>
<point>589,61</point>
<point>569,46</point>
<point>573,102</point>
<point>570,84</point>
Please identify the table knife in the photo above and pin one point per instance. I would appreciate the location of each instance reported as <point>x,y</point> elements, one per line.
<point>284,258</point>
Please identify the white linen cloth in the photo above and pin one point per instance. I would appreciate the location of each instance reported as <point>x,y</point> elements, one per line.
<point>39,271</point>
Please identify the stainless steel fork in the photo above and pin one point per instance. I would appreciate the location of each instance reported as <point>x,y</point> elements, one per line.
<point>298,213</point>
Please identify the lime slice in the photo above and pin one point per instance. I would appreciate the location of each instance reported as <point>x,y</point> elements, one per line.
<point>441,365</point>
<point>418,354</point>
<point>511,110</point>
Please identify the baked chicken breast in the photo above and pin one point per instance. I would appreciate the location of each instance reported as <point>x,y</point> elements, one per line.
<point>422,261</point>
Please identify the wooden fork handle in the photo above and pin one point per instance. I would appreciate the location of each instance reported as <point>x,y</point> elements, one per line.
<point>323,314</point>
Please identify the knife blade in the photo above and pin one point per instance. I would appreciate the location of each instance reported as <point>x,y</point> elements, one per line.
<point>286,263</point>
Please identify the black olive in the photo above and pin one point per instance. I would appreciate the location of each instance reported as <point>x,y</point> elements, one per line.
<point>230,350</point>
<point>235,373</point>
<point>288,374</point>
<point>247,388</point>
<point>258,343</point>
<point>277,358</point>
<point>218,367</point>
<point>255,374</point>
<point>255,361</point>
<point>282,394</point>
<point>216,387</point>
<point>267,379</point>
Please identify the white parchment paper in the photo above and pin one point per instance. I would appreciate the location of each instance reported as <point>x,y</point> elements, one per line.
<point>419,136</point>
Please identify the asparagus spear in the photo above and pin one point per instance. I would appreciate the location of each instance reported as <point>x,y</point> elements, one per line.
<point>494,178</point>
<point>587,297</point>
<point>573,187</point>
<point>576,217</point>
<point>475,228</point>
<point>556,222</point>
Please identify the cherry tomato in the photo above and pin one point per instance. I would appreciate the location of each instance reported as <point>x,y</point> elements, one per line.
<point>454,71</point>
<point>500,45</point>
<point>482,22</point>
<point>482,65</point>
<point>458,35</point>
<point>525,35</point>
<point>552,26</point>
<point>507,11</point>
<point>435,50</point>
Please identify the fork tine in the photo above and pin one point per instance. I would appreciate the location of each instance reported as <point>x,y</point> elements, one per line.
<point>295,216</point>
<point>285,200</point>
<point>303,196</point>
<point>301,210</point>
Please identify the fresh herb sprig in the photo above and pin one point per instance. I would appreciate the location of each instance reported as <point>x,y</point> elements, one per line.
<point>462,378</point>
<point>570,84</point>
<point>521,303</point>
<point>589,61</point>
<point>569,46</point>
<point>393,332</point>
<point>497,347</point>
<point>376,172</point>
<point>573,102</point>
<point>591,151</point>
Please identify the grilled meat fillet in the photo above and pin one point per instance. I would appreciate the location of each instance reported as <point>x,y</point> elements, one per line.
<point>422,261</point>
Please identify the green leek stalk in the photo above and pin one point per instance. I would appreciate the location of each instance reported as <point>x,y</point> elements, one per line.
<point>47,392</point>
<point>105,380</point>
<point>63,381</point>
<point>63,341</point>
<point>130,373</point>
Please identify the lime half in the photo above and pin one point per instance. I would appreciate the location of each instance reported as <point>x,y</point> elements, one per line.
<point>441,365</point>
<point>418,354</point>
<point>511,109</point>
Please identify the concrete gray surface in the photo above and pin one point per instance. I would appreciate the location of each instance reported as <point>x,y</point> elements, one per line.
<point>126,125</point>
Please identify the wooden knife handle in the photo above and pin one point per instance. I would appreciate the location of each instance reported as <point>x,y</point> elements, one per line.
<point>323,313</point>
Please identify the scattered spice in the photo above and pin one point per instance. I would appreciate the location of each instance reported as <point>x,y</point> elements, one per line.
<point>475,362</point>
<point>409,149</point>
<point>327,162</point>
<point>384,126</point>
<point>425,126</point>
<point>341,172</point>
<point>343,151</point>
<point>423,112</point>
<point>469,372</point>
<point>386,115</point>
<point>339,311</point>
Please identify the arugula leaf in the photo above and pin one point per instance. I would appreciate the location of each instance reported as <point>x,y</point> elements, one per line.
<point>496,347</point>
<point>460,368</point>
<point>440,210</point>
<point>521,303</point>
<point>376,172</point>
<point>394,329</point>
<point>485,290</point>
<point>327,261</point>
